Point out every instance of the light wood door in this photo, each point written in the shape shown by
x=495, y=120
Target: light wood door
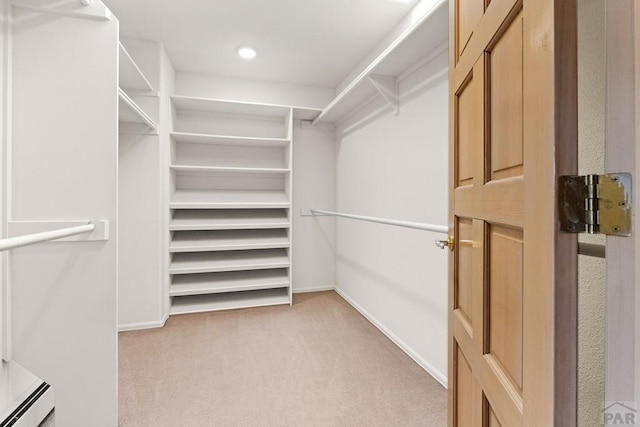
x=512, y=304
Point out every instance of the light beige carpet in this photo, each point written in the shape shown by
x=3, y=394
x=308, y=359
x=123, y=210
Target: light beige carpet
x=316, y=363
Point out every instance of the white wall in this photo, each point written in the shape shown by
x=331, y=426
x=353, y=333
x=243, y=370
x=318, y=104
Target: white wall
x=313, y=188
x=397, y=167
x=63, y=157
x=140, y=207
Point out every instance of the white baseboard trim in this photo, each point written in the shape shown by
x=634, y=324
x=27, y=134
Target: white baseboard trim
x=142, y=325
x=314, y=289
x=431, y=370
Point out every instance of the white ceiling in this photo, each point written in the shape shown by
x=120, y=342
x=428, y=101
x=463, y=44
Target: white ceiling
x=309, y=42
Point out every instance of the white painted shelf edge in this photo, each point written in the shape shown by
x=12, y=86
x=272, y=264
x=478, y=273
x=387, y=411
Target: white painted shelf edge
x=204, y=169
x=130, y=75
x=183, y=285
x=229, y=245
x=210, y=226
x=202, y=262
x=185, y=220
x=185, y=199
x=138, y=112
x=200, y=138
x=182, y=290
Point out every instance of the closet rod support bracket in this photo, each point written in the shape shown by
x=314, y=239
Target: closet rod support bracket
x=389, y=89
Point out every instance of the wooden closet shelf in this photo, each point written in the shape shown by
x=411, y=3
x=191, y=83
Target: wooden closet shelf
x=212, y=262
x=212, y=169
x=242, y=141
x=229, y=240
x=226, y=301
x=209, y=283
x=228, y=219
x=228, y=199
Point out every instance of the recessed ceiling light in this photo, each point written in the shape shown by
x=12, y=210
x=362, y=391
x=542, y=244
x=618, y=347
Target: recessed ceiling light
x=247, y=52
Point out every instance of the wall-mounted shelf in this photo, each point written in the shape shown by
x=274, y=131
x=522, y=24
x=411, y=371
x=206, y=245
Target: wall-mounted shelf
x=229, y=199
x=130, y=112
x=423, y=36
x=131, y=77
x=228, y=219
x=213, y=262
x=210, y=283
x=229, y=240
x=223, y=106
x=231, y=300
x=198, y=138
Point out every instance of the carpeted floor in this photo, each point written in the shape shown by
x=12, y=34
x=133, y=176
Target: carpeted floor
x=316, y=363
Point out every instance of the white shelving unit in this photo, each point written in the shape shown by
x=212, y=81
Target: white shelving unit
x=422, y=37
x=230, y=204
x=131, y=82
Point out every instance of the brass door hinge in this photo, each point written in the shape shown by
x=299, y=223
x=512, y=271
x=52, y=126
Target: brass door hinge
x=595, y=204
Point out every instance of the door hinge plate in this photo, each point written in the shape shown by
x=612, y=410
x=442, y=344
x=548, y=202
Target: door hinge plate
x=595, y=204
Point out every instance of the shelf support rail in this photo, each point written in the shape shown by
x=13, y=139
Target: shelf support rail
x=31, y=239
x=406, y=224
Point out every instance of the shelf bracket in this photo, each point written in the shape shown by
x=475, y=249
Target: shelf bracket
x=388, y=87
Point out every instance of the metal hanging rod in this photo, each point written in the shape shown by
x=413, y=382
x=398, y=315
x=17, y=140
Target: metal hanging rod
x=407, y=224
x=586, y=249
x=30, y=239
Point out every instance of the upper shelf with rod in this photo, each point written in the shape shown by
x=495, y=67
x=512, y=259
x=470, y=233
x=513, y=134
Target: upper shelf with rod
x=419, y=37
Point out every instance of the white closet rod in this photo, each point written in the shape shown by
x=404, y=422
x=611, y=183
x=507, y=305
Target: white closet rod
x=417, y=225
x=586, y=249
x=30, y=239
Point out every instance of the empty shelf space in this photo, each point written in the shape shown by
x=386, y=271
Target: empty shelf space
x=200, y=138
x=213, y=262
x=209, y=283
x=228, y=199
x=228, y=240
x=131, y=77
x=130, y=112
x=210, y=169
x=227, y=301
x=228, y=219
x=256, y=159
